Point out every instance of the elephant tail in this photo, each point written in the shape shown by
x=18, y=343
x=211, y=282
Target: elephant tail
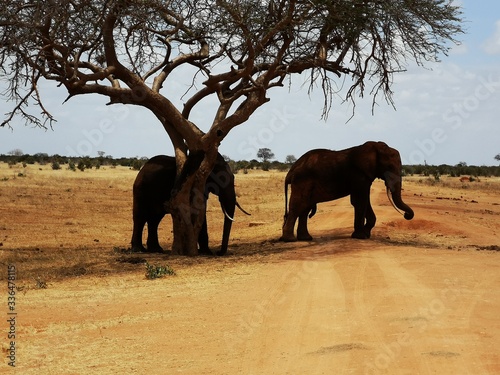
x=312, y=212
x=286, y=203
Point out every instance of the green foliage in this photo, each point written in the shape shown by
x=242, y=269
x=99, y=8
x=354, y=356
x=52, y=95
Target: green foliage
x=40, y=284
x=157, y=271
x=81, y=165
x=265, y=154
x=56, y=165
x=290, y=159
x=88, y=162
x=137, y=164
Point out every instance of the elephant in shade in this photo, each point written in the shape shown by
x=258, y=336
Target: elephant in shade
x=324, y=175
x=152, y=189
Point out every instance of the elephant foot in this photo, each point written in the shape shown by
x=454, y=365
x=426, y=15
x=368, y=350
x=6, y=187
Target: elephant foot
x=205, y=251
x=138, y=249
x=154, y=249
x=360, y=235
x=288, y=238
x=304, y=237
x=221, y=252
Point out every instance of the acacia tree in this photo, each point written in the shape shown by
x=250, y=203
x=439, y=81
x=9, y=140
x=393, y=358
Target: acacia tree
x=233, y=50
x=265, y=154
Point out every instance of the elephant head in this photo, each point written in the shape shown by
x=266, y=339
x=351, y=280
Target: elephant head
x=389, y=169
x=221, y=183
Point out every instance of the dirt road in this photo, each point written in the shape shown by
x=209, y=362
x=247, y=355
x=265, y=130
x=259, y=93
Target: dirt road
x=419, y=297
x=324, y=309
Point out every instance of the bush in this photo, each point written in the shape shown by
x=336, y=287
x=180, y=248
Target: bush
x=56, y=165
x=81, y=165
x=137, y=164
x=155, y=272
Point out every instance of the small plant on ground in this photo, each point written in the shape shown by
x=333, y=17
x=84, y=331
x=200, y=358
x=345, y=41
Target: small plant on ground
x=40, y=284
x=155, y=272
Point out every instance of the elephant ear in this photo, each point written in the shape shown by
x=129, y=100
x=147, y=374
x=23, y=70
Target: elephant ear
x=388, y=161
x=367, y=159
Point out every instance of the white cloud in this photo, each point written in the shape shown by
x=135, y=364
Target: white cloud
x=492, y=44
x=459, y=49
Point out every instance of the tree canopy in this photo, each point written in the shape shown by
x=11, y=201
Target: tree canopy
x=129, y=50
x=265, y=154
x=137, y=51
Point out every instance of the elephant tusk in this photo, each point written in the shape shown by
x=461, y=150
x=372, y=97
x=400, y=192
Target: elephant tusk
x=242, y=210
x=389, y=195
x=227, y=215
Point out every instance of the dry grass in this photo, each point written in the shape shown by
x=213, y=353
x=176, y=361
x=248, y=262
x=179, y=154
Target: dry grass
x=60, y=223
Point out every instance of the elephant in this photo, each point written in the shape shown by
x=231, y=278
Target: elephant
x=323, y=175
x=152, y=190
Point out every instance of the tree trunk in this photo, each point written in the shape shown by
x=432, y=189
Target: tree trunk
x=188, y=203
x=188, y=212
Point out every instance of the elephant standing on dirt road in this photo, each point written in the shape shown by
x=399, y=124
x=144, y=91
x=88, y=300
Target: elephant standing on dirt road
x=152, y=189
x=324, y=175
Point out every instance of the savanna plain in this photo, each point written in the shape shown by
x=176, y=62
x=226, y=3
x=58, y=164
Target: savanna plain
x=419, y=297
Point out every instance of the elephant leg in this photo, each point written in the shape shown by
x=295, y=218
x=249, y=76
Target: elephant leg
x=370, y=219
x=302, y=232
x=136, y=242
x=203, y=239
x=360, y=201
x=288, y=227
x=152, y=242
x=298, y=208
x=225, y=235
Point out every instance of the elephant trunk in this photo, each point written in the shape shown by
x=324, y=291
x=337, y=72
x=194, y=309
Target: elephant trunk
x=399, y=205
x=228, y=208
x=394, y=195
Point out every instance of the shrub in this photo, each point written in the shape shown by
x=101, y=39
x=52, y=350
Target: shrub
x=137, y=164
x=40, y=284
x=56, y=165
x=155, y=272
x=81, y=165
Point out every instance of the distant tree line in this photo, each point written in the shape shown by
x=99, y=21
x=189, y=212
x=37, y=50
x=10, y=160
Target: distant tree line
x=460, y=169
x=265, y=155
x=72, y=162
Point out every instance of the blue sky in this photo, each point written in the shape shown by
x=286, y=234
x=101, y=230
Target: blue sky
x=445, y=113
